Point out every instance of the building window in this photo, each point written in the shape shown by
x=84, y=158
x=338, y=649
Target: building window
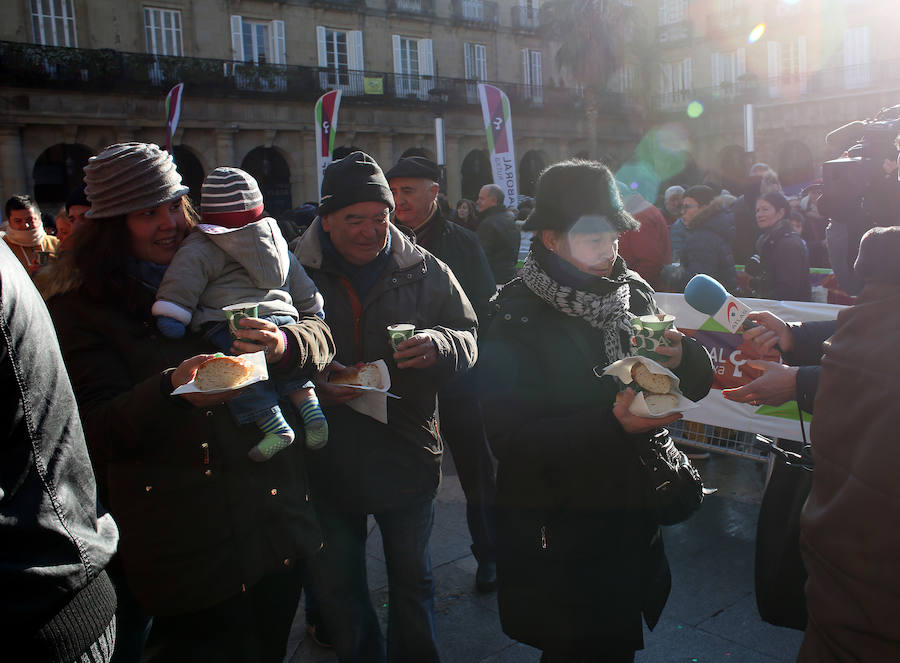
x=476, y=68
x=623, y=79
x=532, y=75
x=787, y=67
x=259, y=42
x=53, y=23
x=672, y=11
x=728, y=67
x=676, y=82
x=529, y=11
x=856, y=57
x=162, y=28
x=413, y=62
x=341, y=56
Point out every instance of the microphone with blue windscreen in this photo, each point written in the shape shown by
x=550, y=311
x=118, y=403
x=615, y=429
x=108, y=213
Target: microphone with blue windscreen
x=707, y=295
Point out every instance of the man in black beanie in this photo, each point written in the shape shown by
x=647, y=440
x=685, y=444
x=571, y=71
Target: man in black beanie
x=384, y=455
x=414, y=183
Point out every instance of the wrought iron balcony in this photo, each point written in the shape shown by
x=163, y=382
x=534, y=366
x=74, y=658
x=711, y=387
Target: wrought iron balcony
x=475, y=12
x=107, y=71
x=674, y=33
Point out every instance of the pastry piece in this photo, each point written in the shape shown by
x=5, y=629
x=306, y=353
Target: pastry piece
x=657, y=403
x=653, y=382
x=222, y=373
x=365, y=375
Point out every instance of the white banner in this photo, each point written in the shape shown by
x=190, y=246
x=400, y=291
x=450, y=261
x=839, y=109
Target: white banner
x=498, y=128
x=730, y=355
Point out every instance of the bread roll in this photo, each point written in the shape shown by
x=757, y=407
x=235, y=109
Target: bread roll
x=222, y=373
x=653, y=382
x=366, y=375
x=657, y=403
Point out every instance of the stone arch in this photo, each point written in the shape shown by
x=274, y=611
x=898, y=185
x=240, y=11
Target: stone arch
x=273, y=174
x=58, y=170
x=475, y=172
x=795, y=164
x=733, y=166
x=191, y=170
x=530, y=167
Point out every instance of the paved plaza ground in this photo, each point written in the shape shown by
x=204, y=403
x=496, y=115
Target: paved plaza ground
x=711, y=614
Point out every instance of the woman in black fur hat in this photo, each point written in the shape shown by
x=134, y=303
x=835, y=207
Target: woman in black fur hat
x=580, y=556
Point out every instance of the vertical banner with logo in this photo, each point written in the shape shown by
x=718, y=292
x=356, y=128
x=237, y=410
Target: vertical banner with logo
x=173, y=113
x=326, y=127
x=498, y=127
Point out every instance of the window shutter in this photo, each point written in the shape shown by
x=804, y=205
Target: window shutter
x=688, y=74
x=237, y=39
x=469, y=58
x=801, y=55
x=715, y=69
x=740, y=65
x=355, y=57
x=536, y=69
x=526, y=67
x=481, y=62
x=322, y=46
x=398, y=57
x=279, y=55
x=426, y=57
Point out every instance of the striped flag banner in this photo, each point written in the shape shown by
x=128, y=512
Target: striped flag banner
x=498, y=127
x=326, y=128
x=173, y=113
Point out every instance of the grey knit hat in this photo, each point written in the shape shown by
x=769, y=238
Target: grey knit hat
x=127, y=177
x=580, y=196
x=230, y=197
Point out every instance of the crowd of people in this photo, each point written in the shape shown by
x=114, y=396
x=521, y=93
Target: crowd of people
x=153, y=526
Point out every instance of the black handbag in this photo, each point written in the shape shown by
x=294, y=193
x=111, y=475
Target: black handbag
x=779, y=572
x=674, y=485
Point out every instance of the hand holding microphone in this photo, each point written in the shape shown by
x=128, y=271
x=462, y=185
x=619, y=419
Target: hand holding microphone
x=770, y=332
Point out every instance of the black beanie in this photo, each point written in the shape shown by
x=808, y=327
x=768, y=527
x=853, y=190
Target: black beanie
x=418, y=167
x=354, y=179
x=701, y=193
x=579, y=190
x=77, y=196
x=879, y=255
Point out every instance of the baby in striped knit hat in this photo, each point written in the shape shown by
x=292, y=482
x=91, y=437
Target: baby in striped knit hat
x=239, y=255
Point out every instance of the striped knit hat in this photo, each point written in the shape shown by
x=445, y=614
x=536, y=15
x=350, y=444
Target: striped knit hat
x=127, y=177
x=231, y=198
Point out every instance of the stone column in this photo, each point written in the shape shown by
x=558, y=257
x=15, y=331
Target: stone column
x=225, y=147
x=309, y=183
x=14, y=179
x=385, y=156
x=454, y=167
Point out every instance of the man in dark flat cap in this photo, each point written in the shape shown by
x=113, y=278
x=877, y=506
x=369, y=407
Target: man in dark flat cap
x=413, y=183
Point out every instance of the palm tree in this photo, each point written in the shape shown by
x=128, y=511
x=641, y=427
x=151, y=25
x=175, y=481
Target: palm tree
x=596, y=38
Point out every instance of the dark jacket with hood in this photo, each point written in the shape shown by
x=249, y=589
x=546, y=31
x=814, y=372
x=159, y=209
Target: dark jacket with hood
x=199, y=520
x=367, y=465
x=501, y=239
x=580, y=550
x=785, y=264
x=57, y=599
x=707, y=247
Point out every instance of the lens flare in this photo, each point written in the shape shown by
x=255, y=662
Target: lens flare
x=694, y=110
x=756, y=33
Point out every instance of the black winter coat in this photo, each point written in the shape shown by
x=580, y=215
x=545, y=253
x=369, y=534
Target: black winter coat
x=785, y=264
x=707, y=247
x=199, y=521
x=580, y=551
x=501, y=239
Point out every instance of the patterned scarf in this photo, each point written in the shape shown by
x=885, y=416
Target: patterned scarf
x=608, y=313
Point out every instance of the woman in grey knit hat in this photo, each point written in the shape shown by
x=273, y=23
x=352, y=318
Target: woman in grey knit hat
x=212, y=543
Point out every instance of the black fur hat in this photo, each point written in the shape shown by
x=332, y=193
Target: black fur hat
x=579, y=196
